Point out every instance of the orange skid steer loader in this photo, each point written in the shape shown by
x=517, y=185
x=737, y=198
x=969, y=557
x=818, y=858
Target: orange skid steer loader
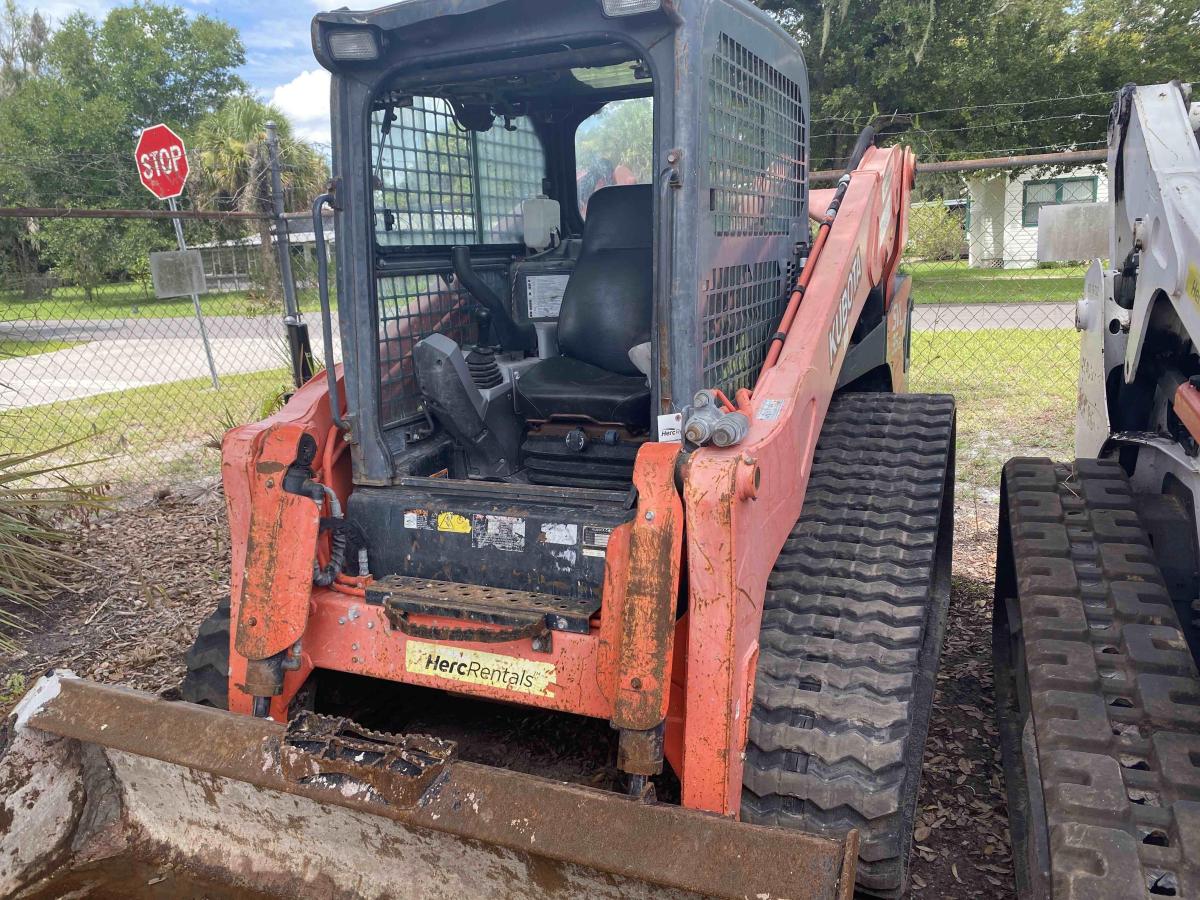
x=613, y=560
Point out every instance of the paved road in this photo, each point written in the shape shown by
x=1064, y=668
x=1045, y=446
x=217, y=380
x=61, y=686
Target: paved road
x=120, y=354
x=131, y=353
x=978, y=316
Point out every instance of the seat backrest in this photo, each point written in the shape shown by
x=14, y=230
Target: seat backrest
x=606, y=308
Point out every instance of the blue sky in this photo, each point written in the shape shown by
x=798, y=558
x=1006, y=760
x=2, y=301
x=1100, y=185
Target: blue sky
x=279, y=61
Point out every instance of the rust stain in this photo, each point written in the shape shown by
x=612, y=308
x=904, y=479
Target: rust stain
x=651, y=595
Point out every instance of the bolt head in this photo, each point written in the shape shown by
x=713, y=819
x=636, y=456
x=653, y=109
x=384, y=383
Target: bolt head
x=649, y=515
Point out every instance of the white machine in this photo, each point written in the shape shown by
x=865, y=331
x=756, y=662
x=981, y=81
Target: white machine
x=1097, y=611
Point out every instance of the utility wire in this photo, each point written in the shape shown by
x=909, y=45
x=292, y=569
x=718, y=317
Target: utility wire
x=929, y=112
x=1009, y=124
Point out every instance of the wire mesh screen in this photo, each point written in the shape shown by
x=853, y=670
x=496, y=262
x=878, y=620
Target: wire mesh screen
x=412, y=307
x=440, y=185
x=741, y=308
x=511, y=167
x=993, y=325
x=756, y=141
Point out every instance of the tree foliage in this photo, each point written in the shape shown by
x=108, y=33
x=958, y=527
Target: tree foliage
x=234, y=163
x=23, y=39
x=72, y=103
x=984, y=67
x=233, y=170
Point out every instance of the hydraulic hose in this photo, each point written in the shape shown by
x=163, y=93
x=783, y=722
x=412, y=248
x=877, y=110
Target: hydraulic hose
x=324, y=577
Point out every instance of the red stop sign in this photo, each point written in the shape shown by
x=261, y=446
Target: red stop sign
x=161, y=162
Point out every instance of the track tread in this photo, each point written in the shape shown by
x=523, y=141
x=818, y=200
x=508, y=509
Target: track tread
x=851, y=630
x=1094, y=673
x=206, y=681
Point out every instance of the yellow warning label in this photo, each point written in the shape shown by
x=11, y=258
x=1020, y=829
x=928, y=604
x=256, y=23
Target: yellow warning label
x=1193, y=283
x=448, y=521
x=477, y=667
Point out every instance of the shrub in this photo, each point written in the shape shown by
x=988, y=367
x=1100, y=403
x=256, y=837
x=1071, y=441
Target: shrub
x=35, y=497
x=934, y=232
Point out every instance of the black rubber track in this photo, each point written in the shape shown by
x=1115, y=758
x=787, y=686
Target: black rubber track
x=207, y=679
x=852, y=628
x=1097, y=694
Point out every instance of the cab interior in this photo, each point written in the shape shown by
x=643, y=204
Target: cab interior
x=513, y=217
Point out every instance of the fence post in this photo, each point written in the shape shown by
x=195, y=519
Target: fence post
x=297, y=331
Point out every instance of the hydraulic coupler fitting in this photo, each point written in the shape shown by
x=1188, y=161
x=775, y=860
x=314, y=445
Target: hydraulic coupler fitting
x=708, y=422
x=731, y=429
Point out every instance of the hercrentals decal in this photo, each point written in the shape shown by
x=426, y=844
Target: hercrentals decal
x=477, y=667
x=841, y=318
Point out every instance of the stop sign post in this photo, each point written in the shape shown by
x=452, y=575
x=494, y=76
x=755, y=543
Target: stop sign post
x=162, y=166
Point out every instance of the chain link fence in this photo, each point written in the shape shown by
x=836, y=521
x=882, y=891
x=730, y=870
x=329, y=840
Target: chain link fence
x=99, y=363
x=96, y=362
x=991, y=324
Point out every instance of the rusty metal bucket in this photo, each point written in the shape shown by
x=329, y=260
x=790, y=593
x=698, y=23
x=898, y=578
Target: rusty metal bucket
x=103, y=786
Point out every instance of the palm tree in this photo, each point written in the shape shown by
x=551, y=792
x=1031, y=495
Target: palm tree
x=235, y=173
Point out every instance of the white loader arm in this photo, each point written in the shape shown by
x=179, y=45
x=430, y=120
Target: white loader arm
x=1154, y=172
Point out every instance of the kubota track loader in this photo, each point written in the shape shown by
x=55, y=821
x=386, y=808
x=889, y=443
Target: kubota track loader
x=619, y=439
x=1097, y=584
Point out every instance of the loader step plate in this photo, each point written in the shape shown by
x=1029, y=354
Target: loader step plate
x=1097, y=694
x=852, y=628
x=480, y=603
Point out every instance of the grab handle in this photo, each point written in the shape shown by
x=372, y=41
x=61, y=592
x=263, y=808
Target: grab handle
x=326, y=318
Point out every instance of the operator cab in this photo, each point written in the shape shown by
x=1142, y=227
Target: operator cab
x=557, y=220
x=513, y=217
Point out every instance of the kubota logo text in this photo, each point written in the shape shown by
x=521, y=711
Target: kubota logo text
x=477, y=667
x=841, y=317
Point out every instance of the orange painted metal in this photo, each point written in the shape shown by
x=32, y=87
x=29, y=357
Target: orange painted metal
x=648, y=610
x=733, y=540
x=739, y=505
x=346, y=634
x=272, y=533
x=279, y=547
x=1187, y=407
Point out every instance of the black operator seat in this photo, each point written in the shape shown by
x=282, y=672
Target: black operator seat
x=606, y=310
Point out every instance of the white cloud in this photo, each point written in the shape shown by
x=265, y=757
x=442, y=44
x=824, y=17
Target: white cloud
x=305, y=101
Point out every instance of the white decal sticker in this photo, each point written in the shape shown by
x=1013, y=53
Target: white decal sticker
x=595, y=540
x=565, y=533
x=769, y=410
x=501, y=532
x=417, y=518
x=670, y=428
x=544, y=294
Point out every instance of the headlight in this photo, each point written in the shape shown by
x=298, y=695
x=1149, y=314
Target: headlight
x=629, y=7
x=356, y=44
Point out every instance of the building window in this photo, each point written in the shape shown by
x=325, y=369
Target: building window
x=1053, y=191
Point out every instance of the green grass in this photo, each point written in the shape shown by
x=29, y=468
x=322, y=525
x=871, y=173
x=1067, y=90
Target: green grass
x=146, y=430
x=129, y=300
x=955, y=282
x=10, y=347
x=1015, y=391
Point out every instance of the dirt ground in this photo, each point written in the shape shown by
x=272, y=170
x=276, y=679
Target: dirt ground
x=156, y=568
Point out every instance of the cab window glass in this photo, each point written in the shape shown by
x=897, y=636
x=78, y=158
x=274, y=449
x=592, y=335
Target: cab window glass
x=614, y=146
x=437, y=184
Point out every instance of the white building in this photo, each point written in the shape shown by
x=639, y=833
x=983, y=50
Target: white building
x=1003, y=212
